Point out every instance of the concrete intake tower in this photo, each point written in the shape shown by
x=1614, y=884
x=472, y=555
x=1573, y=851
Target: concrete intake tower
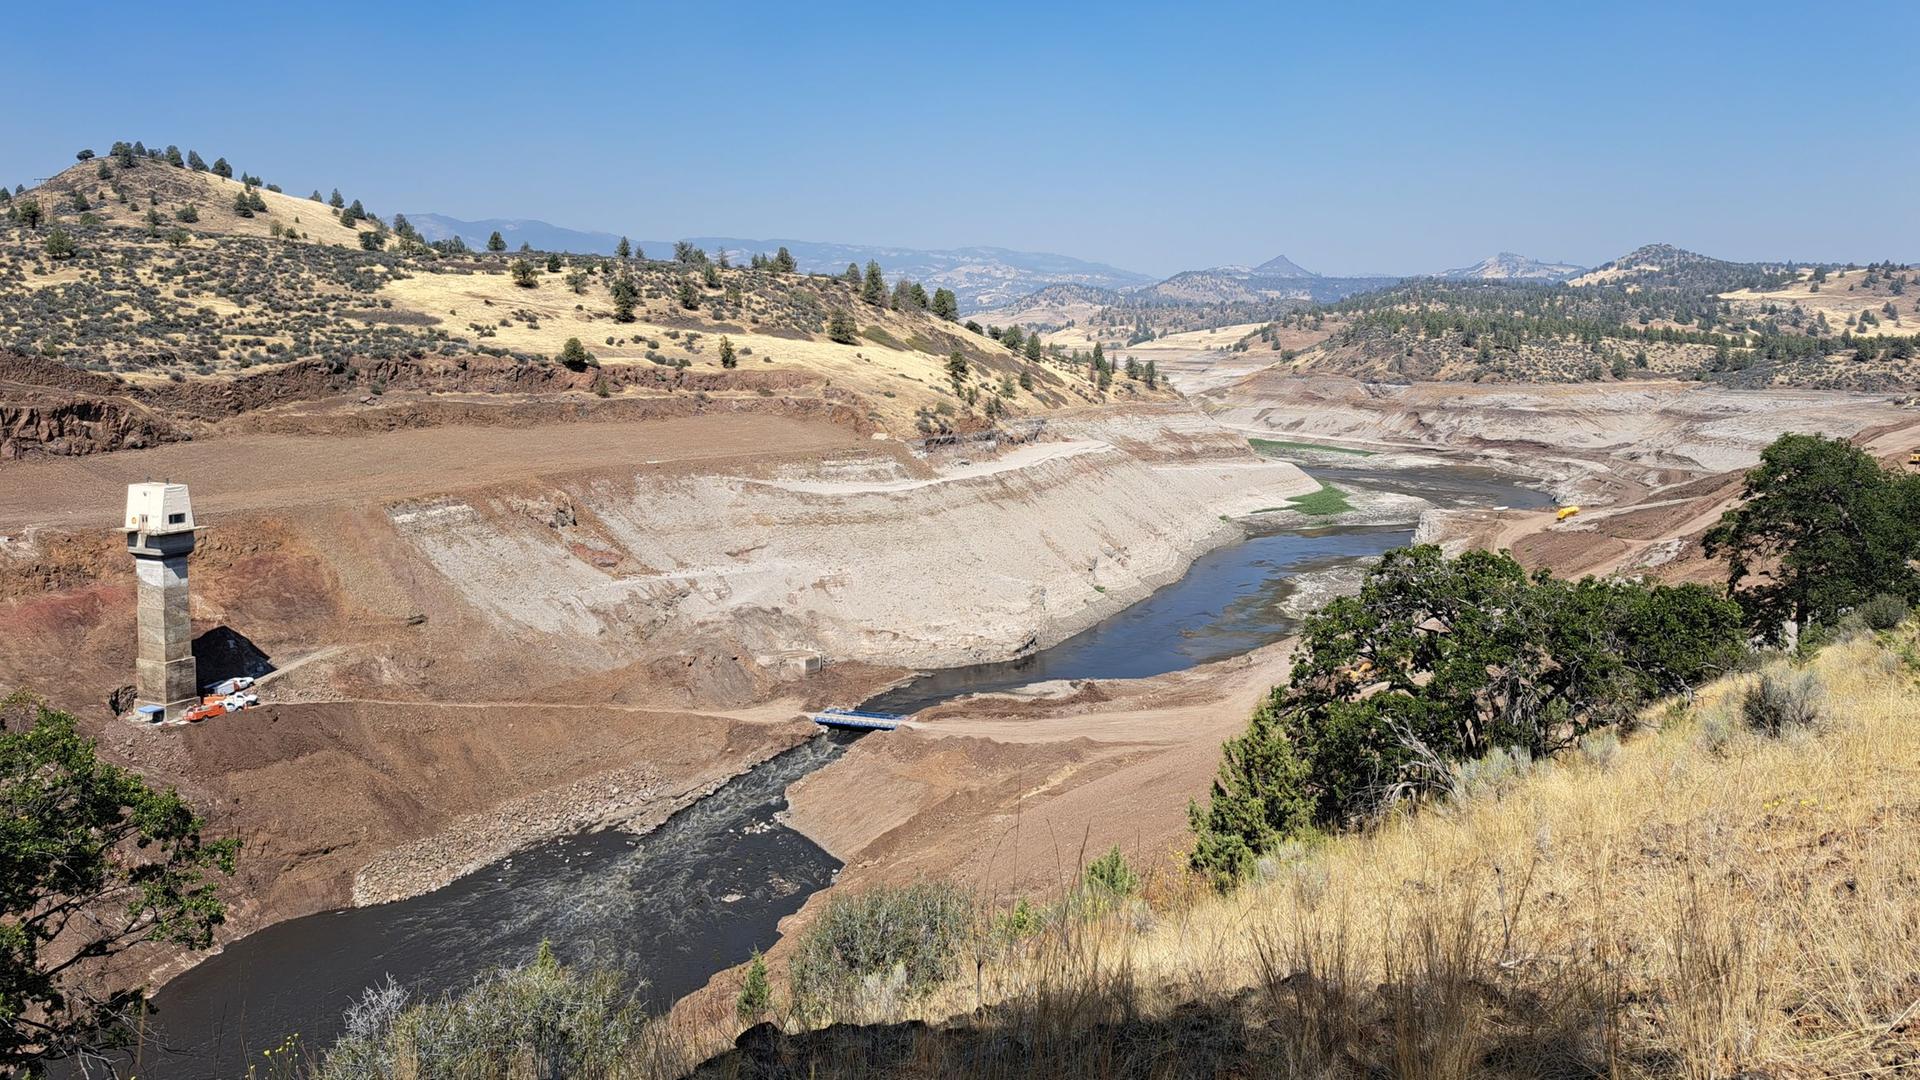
x=159, y=526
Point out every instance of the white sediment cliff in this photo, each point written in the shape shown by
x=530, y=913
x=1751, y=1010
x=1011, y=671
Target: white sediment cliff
x=874, y=555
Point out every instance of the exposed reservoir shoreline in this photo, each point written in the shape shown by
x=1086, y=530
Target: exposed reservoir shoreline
x=590, y=885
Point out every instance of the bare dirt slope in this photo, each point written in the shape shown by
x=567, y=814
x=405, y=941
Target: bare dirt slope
x=1008, y=793
x=493, y=632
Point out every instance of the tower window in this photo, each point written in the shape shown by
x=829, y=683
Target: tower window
x=176, y=519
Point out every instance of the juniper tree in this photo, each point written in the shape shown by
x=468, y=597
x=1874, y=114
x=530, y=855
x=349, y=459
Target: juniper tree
x=727, y=358
x=173, y=157
x=60, y=244
x=624, y=249
x=624, y=294
x=523, y=274
x=84, y=155
x=852, y=275
x=688, y=296
x=945, y=306
x=222, y=169
x=1033, y=347
x=575, y=356
x=496, y=242
x=783, y=261
x=840, y=328
x=195, y=161
x=710, y=274
x=553, y=264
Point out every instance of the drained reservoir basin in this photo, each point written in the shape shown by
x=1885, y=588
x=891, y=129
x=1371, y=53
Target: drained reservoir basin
x=697, y=895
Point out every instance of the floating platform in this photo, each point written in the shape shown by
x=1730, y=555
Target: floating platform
x=856, y=720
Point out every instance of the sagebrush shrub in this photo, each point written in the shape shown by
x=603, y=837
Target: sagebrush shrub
x=1783, y=700
x=892, y=941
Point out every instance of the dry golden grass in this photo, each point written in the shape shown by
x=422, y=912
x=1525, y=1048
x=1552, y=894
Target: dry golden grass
x=1699, y=902
x=1843, y=295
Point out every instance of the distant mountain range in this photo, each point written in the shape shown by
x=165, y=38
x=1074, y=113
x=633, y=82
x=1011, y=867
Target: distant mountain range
x=1279, y=278
x=1507, y=266
x=980, y=277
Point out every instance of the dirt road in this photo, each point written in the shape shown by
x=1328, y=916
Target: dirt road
x=265, y=472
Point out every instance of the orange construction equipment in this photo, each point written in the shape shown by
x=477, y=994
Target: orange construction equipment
x=203, y=712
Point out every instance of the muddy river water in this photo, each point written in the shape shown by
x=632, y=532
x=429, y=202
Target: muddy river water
x=699, y=893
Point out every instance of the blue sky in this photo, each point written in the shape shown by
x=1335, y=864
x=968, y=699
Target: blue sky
x=1352, y=137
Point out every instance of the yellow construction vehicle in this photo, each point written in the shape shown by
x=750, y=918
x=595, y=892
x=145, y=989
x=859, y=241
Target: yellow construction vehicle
x=1913, y=459
x=1566, y=512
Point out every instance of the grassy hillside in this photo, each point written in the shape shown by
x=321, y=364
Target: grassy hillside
x=1701, y=900
x=1658, y=312
x=150, y=271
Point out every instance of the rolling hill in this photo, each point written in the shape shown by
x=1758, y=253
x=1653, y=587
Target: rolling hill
x=980, y=277
x=186, y=286
x=1658, y=311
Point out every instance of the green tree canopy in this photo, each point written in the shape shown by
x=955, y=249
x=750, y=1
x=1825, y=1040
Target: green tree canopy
x=625, y=293
x=1441, y=660
x=945, y=306
x=1820, y=529
x=874, y=288
x=496, y=242
x=92, y=862
x=575, y=357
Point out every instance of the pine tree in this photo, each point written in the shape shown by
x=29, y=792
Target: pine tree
x=337, y=200
x=195, y=161
x=221, y=168
x=1033, y=347
x=957, y=368
x=874, y=291
x=783, y=261
x=624, y=294
x=688, y=296
x=840, y=328
x=496, y=242
x=727, y=358
x=242, y=206
x=945, y=306
x=852, y=276
x=624, y=249
x=710, y=274
x=173, y=157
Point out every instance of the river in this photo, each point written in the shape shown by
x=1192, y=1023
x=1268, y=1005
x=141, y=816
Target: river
x=711, y=884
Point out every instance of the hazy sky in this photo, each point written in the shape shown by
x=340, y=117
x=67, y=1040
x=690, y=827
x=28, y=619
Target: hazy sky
x=1351, y=137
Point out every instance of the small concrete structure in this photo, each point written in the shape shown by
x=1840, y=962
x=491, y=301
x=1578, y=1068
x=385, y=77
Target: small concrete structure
x=159, y=524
